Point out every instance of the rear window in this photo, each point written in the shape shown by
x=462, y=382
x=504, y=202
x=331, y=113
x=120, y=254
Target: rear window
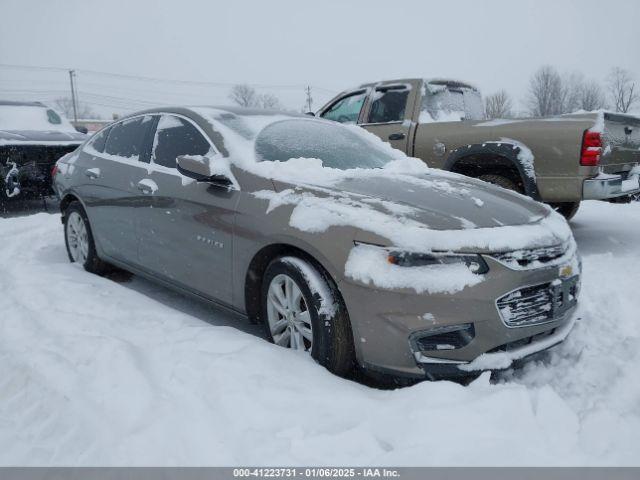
x=337, y=146
x=126, y=139
x=99, y=140
x=446, y=103
x=388, y=105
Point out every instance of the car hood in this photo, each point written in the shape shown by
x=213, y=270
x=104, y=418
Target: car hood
x=448, y=201
x=17, y=137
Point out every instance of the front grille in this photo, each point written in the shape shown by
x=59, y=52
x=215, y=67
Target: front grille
x=34, y=163
x=38, y=154
x=525, y=258
x=538, y=304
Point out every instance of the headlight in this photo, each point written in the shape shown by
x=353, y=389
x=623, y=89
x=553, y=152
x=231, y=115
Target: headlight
x=410, y=259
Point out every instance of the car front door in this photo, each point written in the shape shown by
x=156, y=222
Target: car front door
x=186, y=227
x=113, y=167
x=389, y=114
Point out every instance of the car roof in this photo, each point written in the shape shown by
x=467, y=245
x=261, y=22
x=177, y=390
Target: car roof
x=14, y=103
x=224, y=108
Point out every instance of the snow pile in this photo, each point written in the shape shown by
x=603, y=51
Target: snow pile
x=94, y=372
x=369, y=265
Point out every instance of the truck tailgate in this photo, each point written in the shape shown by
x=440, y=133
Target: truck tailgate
x=620, y=142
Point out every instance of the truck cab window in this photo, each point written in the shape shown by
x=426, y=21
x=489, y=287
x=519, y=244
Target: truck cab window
x=388, y=105
x=347, y=109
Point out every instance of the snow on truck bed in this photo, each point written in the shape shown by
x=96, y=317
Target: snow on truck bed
x=94, y=372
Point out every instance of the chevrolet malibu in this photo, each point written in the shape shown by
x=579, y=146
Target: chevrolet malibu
x=340, y=245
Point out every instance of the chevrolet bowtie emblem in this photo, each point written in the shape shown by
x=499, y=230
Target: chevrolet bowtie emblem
x=566, y=271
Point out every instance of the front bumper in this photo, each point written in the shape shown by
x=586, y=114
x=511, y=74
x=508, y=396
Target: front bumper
x=386, y=322
x=500, y=360
x=610, y=186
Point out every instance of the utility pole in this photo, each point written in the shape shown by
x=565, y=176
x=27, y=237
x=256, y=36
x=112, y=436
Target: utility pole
x=72, y=74
x=309, y=99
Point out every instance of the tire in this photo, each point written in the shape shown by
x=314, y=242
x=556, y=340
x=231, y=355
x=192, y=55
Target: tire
x=502, y=181
x=567, y=209
x=78, y=239
x=319, y=306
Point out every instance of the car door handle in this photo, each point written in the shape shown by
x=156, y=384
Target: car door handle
x=397, y=136
x=92, y=173
x=145, y=188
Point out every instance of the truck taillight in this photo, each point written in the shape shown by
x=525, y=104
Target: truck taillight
x=591, y=148
x=54, y=170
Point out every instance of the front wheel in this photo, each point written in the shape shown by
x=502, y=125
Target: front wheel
x=79, y=239
x=302, y=310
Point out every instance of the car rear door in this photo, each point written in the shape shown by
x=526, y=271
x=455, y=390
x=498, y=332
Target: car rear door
x=389, y=113
x=186, y=228
x=110, y=185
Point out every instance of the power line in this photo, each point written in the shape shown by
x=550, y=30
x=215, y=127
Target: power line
x=161, y=80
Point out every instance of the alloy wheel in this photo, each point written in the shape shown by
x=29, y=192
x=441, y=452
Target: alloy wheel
x=77, y=237
x=288, y=314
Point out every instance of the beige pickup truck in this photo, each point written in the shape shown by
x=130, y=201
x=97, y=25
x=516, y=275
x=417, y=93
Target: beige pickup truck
x=557, y=160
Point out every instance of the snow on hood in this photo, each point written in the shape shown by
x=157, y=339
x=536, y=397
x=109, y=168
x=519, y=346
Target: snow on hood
x=413, y=206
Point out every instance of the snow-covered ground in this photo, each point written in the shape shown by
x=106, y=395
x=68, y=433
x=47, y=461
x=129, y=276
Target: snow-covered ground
x=99, y=372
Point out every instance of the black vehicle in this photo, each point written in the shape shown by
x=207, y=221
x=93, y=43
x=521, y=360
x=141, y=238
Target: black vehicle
x=32, y=138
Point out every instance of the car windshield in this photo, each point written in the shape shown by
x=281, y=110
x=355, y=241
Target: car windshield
x=337, y=146
x=32, y=117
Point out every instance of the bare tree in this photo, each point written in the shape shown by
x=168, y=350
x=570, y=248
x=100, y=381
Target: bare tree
x=246, y=96
x=243, y=95
x=547, y=95
x=269, y=101
x=622, y=89
x=65, y=105
x=572, y=86
x=498, y=105
x=592, y=96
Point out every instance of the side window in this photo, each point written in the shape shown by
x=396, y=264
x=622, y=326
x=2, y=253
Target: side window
x=126, y=139
x=99, y=140
x=388, y=105
x=174, y=137
x=347, y=109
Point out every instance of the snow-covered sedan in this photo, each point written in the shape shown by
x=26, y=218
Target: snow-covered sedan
x=339, y=244
x=32, y=138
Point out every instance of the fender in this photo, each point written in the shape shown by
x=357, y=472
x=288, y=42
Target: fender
x=505, y=150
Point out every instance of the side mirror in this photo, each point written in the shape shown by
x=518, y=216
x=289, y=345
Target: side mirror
x=82, y=129
x=199, y=168
x=311, y=114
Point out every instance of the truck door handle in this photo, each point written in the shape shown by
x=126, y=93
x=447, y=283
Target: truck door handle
x=397, y=136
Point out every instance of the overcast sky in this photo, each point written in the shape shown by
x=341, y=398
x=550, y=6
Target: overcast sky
x=328, y=44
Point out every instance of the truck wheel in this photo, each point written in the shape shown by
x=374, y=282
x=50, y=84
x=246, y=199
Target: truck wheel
x=302, y=310
x=567, y=209
x=502, y=181
x=79, y=240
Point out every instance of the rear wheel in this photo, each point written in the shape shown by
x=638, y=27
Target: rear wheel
x=302, y=310
x=502, y=181
x=79, y=239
